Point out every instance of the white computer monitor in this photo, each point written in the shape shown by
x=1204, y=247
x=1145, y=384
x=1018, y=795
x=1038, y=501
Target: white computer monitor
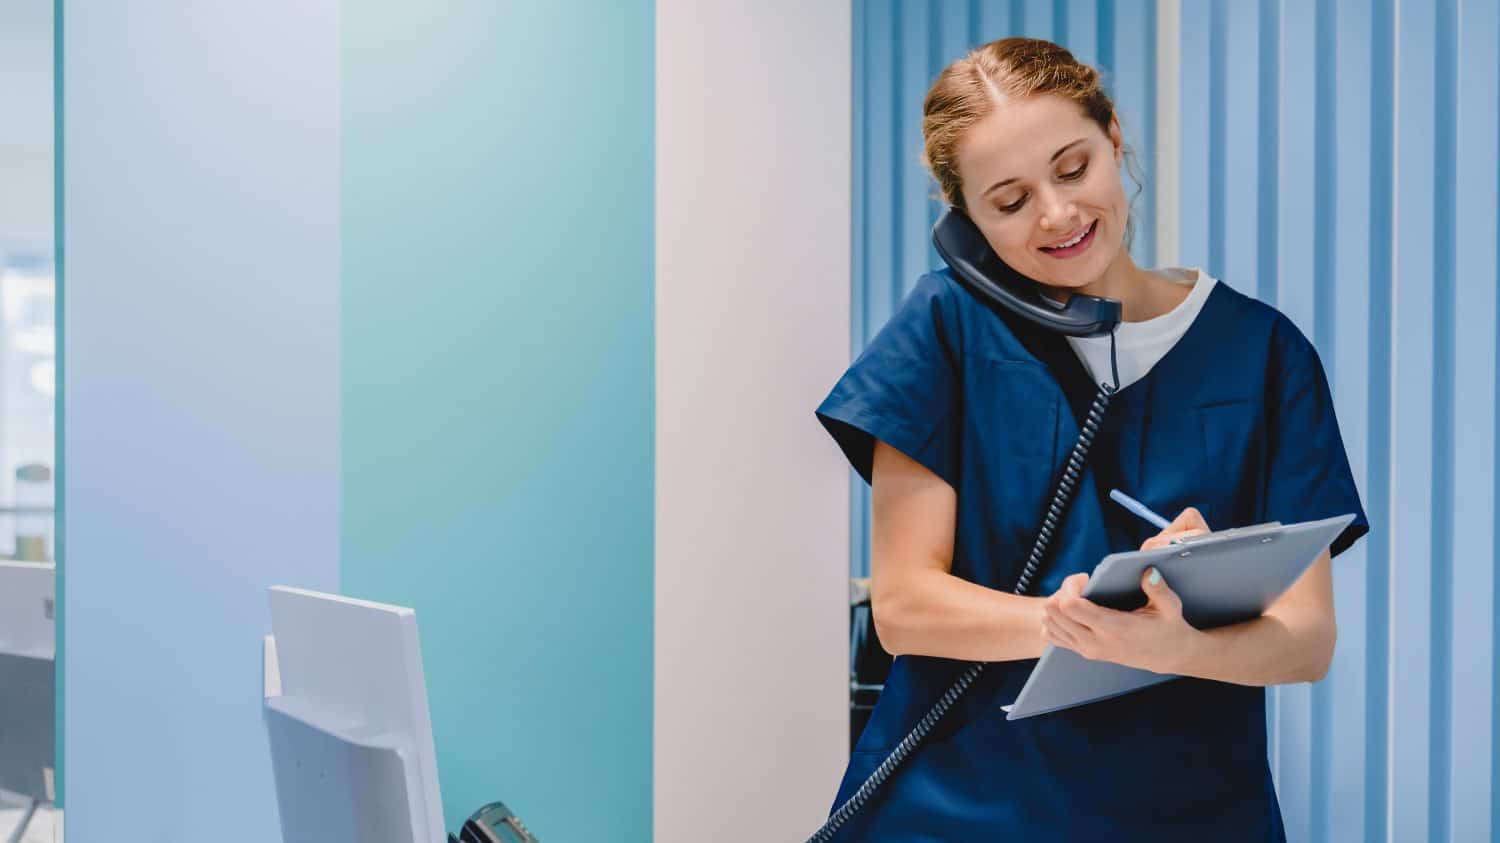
x=27, y=600
x=351, y=735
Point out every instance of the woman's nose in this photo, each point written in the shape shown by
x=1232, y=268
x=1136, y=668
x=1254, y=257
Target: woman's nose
x=1057, y=214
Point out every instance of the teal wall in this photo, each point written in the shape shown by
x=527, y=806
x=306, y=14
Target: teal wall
x=498, y=393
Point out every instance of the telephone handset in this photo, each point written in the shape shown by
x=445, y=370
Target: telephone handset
x=494, y=823
x=981, y=271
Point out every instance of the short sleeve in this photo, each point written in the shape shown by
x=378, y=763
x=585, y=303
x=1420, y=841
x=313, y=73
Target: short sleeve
x=1309, y=477
x=903, y=389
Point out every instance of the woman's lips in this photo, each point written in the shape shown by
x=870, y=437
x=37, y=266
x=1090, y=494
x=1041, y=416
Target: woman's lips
x=1076, y=248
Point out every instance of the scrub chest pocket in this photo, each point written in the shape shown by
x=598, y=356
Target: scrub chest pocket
x=1233, y=440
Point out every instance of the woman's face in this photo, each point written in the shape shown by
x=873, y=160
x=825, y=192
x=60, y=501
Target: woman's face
x=1037, y=174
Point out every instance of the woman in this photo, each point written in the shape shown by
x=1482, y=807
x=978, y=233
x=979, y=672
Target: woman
x=961, y=418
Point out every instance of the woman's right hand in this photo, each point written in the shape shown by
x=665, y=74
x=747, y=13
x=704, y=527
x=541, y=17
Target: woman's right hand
x=1189, y=523
x=1054, y=619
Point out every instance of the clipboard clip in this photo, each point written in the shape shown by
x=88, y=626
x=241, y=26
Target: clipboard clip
x=1231, y=533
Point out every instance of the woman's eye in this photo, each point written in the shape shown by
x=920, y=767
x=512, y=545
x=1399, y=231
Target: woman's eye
x=1073, y=175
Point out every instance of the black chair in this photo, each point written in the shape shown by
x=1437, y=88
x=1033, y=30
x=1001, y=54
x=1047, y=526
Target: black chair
x=869, y=663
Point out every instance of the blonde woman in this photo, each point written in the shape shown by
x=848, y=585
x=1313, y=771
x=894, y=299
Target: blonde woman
x=962, y=417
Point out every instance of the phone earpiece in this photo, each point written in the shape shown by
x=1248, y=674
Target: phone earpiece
x=962, y=245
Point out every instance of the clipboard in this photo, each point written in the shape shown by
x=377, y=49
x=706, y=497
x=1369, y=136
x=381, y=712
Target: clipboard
x=1226, y=577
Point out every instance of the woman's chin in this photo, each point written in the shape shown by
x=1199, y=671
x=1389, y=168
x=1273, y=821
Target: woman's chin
x=1061, y=289
x=1058, y=293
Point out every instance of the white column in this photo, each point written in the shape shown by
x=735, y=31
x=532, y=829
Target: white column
x=752, y=504
x=1168, y=105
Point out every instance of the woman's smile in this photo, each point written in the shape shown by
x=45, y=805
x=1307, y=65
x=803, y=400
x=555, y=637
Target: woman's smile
x=1077, y=245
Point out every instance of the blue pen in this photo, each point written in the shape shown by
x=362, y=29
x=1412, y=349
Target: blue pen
x=1138, y=508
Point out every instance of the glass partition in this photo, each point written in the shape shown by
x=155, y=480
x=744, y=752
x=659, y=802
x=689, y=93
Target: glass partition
x=28, y=711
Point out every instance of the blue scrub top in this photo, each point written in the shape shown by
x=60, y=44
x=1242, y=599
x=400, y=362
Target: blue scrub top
x=1236, y=420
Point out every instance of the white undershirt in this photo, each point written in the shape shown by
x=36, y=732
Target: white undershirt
x=1139, y=345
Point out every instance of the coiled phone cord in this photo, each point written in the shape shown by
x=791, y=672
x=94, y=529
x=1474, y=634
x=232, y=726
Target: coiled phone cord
x=1060, y=500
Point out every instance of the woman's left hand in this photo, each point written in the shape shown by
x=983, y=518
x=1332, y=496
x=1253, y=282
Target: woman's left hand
x=1153, y=637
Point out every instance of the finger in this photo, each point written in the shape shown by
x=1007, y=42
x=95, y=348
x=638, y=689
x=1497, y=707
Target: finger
x=1159, y=540
x=1054, y=634
x=1169, y=537
x=1065, y=587
x=1089, y=614
x=1074, y=583
x=1186, y=534
x=1067, y=623
x=1188, y=519
x=1158, y=593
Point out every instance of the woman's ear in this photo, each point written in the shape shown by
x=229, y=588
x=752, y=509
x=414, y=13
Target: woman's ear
x=1116, y=138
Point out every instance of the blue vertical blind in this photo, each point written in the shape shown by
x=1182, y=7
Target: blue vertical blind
x=1330, y=167
x=1337, y=159
x=899, y=49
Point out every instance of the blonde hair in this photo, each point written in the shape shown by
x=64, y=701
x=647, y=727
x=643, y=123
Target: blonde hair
x=967, y=90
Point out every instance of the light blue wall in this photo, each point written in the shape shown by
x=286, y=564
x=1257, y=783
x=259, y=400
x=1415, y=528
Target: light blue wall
x=496, y=196
x=498, y=389
x=199, y=177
